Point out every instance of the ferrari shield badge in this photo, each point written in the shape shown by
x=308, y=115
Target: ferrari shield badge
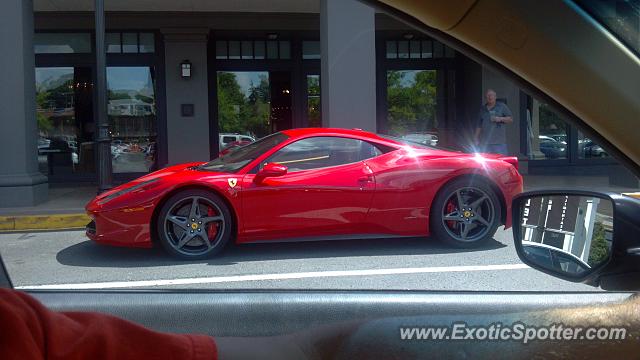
x=232, y=182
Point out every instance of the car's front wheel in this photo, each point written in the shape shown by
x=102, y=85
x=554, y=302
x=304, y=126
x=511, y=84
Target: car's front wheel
x=465, y=213
x=194, y=224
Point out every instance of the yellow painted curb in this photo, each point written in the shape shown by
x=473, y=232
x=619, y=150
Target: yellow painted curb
x=43, y=222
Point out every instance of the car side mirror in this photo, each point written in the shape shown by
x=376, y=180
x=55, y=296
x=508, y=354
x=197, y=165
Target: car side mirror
x=580, y=236
x=271, y=170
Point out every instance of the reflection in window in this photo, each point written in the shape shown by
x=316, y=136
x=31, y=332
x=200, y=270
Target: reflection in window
x=61, y=43
x=65, y=120
x=546, y=133
x=411, y=105
x=131, y=110
x=313, y=101
x=244, y=103
x=320, y=152
x=588, y=149
x=311, y=50
x=130, y=42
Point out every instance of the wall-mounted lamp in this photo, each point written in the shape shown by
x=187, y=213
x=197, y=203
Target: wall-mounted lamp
x=408, y=36
x=272, y=36
x=185, y=69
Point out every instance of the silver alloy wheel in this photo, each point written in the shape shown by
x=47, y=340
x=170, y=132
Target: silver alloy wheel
x=189, y=222
x=468, y=214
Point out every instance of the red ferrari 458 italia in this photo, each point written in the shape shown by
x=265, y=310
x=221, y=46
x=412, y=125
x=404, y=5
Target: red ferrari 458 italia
x=311, y=184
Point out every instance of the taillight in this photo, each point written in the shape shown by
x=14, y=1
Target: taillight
x=513, y=160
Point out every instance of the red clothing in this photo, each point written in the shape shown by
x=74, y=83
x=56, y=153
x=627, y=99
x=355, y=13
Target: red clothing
x=28, y=330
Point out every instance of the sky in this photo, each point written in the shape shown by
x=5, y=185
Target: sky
x=246, y=78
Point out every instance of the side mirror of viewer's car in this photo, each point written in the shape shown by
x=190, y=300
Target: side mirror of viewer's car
x=271, y=170
x=580, y=236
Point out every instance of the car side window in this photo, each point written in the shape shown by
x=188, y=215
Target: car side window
x=322, y=151
x=228, y=139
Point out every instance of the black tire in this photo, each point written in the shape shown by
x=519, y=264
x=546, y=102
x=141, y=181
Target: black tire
x=445, y=204
x=200, y=240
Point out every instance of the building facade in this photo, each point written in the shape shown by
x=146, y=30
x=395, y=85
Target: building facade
x=185, y=79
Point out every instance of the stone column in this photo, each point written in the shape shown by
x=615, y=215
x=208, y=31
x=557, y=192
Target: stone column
x=187, y=136
x=348, y=62
x=20, y=182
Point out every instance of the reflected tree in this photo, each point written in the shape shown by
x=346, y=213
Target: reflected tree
x=411, y=98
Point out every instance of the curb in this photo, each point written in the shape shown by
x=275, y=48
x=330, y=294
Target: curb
x=44, y=222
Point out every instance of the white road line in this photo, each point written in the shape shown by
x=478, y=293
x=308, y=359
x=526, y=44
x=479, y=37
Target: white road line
x=263, y=277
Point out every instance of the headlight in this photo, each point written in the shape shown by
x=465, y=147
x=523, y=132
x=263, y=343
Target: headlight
x=110, y=197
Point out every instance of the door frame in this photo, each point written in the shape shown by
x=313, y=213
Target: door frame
x=297, y=67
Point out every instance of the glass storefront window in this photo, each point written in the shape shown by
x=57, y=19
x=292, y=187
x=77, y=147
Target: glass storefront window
x=247, y=49
x=285, y=50
x=64, y=114
x=427, y=51
x=61, y=43
x=221, y=50
x=234, y=49
x=403, y=49
x=244, y=103
x=147, y=43
x=313, y=101
x=546, y=133
x=588, y=149
x=114, y=45
x=272, y=49
x=438, y=49
x=414, y=46
x=131, y=109
x=259, y=50
x=411, y=105
x=129, y=42
x=311, y=50
x=392, y=50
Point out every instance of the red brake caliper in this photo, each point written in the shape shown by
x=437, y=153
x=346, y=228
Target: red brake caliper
x=212, y=229
x=451, y=208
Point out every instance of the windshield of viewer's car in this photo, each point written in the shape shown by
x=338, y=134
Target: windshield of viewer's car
x=256, y=75
x=240, y=157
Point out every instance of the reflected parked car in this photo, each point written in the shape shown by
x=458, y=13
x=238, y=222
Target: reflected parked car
x=233, y=146
x=552, y=148
x=228, y=138
x=590, y=149
x=424, y=139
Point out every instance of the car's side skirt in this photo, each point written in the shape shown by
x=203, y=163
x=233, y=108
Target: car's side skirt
x=334, y=237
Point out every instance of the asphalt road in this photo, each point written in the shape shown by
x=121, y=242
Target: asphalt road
x=68, y=259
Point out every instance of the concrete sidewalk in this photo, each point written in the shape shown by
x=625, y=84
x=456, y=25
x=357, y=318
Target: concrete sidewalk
x=65, y=207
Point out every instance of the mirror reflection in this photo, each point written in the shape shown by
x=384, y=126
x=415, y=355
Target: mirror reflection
x=567, y=233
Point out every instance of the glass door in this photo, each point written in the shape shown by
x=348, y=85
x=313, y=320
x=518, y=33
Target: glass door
x=64, y=112
x=131, y=110
x=251, y=105
x=412, y=105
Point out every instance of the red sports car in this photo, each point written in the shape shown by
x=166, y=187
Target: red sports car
x=311, y=184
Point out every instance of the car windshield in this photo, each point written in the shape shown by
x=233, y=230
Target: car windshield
x=622, y=18
x=238, y=158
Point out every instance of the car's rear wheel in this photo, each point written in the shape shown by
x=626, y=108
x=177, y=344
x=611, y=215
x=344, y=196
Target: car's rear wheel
x=465, y=213
x=194, y=224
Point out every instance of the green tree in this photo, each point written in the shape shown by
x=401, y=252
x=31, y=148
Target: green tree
x=240, y=113
x=599, y=251
x=411, y=98
x=42, y=102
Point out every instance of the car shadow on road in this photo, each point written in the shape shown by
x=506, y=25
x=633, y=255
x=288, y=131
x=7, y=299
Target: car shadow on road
x=90, y=254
